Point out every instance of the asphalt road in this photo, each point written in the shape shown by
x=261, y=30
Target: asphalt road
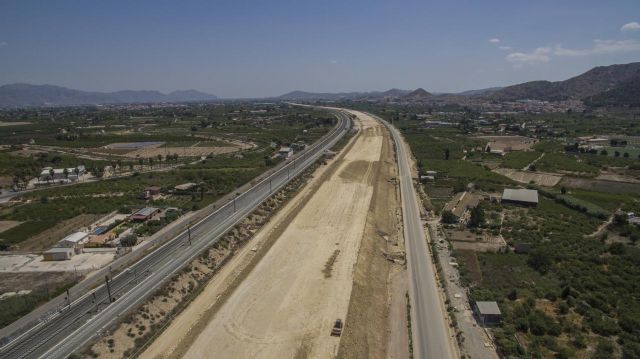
x=430, y=334
x=87, y=317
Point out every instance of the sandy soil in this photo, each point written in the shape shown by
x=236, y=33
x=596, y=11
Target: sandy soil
x=370, y=321
x=17, y=123
x=83, y=262
x=6, y=225
x=286, y=306
x=544, y=179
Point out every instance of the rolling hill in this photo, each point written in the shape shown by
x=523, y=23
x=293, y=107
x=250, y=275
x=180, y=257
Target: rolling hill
x=23, y=95
x=613, y=80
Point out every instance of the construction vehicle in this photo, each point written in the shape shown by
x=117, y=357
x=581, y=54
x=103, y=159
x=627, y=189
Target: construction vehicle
x=336, y=331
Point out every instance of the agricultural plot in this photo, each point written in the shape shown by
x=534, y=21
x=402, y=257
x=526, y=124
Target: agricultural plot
x=526, y=177
x=508, y=143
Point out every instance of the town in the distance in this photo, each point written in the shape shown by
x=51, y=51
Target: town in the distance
x=496, y=222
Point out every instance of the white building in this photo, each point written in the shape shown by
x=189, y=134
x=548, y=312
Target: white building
x=285, y=152
x=49, y=174
x=74, y=240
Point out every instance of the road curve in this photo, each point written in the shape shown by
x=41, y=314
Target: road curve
x=86, y=317
x=430, y=332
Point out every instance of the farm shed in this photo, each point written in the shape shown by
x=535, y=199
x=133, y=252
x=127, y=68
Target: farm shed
x=285, y=152
x=75, y=241
x=528, y=197
x=144, y=214
x=58, y=254
x=488, y=313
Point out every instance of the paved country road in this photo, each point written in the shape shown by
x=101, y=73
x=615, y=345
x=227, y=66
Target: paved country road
x=86, y=317
x=429, y=328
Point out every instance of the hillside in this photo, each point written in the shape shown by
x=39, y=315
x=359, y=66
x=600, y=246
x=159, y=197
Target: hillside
x=590, y=83
x=21, y=95
x=625, y=94
x=417, y=95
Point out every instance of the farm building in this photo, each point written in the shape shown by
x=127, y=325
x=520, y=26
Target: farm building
x=488, y=313
x=75, y=241
x=285, y=152
x=461, y=202
x=58, y=254
x=528, y=197
x=144, y=214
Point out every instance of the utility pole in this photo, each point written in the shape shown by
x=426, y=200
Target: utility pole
x=189, y=232
x=106, y=280
x=270, y=185
x=68, y=298
x=46, y=284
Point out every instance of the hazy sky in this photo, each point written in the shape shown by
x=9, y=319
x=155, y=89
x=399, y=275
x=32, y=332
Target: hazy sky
x=261, y=48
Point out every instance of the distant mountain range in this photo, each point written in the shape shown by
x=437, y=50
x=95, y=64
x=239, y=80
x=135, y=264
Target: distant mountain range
x=336, y=96
x=613, y=85
x=23, y=95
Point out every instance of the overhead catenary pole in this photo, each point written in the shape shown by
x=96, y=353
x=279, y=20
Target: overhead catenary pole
x=106, y=280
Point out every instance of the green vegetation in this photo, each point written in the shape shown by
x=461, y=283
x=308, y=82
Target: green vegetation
x=519, y=159
x=17, y=306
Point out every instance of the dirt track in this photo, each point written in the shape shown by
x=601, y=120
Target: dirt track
x=286, y=307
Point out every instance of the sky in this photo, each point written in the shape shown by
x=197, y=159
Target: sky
x=239, y=48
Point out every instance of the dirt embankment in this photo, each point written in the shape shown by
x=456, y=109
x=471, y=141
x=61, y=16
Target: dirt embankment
x=287, y=305
x=368, y=319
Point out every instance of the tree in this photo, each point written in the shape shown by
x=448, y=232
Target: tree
x=141, y=162
x=449, y=218
x=66, y=173
x=540, y=260
x=446, y=153
x=51, y=173
x=626, y=155
x=563, y=190
x=151, y=162
x=604, y=153
x=77, y=172
x=160, y=160
x=476, y=218
x=616, y=153
x=203, y=189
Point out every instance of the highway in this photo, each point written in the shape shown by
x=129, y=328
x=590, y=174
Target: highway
x=88, y=316
x=430, y=333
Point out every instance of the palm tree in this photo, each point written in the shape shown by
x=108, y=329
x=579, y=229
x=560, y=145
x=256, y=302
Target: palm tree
x=151, y=162
x=77, y=172
x=141, y=162
x=160, y=160
x=66, y=173
x=51, y=173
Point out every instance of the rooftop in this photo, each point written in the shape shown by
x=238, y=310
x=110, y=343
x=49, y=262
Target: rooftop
x=75, y=237
x=59, y=250
x=488, y=308
x=520, y=195
x=147, y=211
